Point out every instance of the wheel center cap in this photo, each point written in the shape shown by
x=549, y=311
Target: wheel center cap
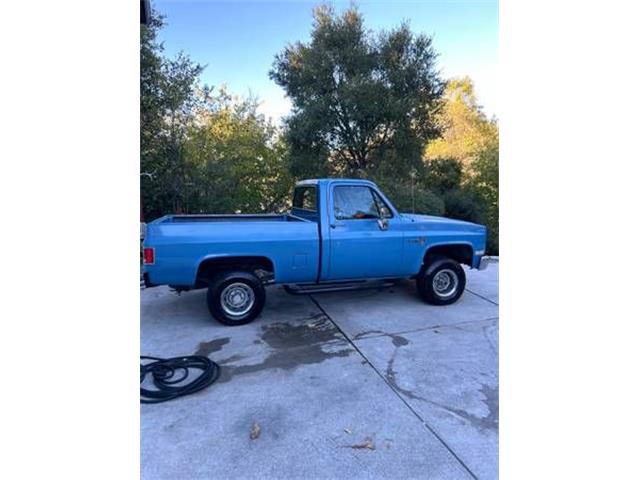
x=443, y=282
x=237, y=298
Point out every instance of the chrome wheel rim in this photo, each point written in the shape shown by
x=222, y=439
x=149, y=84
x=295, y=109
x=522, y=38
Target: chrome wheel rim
x=445, y=283
x=237, y=299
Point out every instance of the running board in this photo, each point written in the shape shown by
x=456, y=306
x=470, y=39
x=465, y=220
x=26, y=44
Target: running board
x=336, y=287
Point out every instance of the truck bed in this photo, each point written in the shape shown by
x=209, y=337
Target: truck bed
x=183, y=242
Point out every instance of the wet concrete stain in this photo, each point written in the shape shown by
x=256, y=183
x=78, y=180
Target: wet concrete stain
x=231, y=359
x=487, y=336
x=398, y=340
x=390, y=374
x=488, y=422
x=207, y=348
x=291, y=345
x=312, y=330
x=492, y=401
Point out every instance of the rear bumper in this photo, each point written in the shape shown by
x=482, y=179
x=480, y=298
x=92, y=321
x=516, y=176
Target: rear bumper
x=484, y=263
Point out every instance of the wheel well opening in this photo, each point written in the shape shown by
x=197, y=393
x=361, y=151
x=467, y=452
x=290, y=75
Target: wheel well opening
x=460, y=253
x=261, y=266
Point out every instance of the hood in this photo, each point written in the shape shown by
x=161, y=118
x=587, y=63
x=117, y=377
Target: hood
x=443, y=222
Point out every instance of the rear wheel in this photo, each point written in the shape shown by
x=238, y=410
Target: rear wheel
x=441, y=281
x=236, y=297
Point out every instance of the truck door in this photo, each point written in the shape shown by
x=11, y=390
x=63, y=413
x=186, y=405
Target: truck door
x=365, y=237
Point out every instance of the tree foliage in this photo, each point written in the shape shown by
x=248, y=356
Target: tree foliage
x=237, y=161
x=463, y=163
x=484, y=182
x=411, y=198
x=167, y=96
x=365, y=104
x=466, y=131
x=443, y=174
x=359, y=99
x=202, y=151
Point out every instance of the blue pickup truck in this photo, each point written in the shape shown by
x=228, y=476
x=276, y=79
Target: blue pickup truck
x=339, y=233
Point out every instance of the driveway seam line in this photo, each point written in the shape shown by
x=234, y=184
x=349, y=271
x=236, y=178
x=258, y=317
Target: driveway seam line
x=484, y=298
x=424, y=329
x=402, y=399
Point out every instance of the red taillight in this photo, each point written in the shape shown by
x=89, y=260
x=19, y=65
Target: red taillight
x=149, y=256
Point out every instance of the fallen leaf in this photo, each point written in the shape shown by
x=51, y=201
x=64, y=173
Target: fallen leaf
x=255, y=431
x=367, y=444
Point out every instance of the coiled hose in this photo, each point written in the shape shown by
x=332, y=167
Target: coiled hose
x=170, y=376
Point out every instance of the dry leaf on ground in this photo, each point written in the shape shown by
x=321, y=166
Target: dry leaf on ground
x=255, y=431
x=367, y=444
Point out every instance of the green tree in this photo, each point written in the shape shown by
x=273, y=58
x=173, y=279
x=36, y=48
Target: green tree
x=236, y=159
x=410, y=198
x=485, y=183
x=466, y=131
x=470, y=191
x=442, y=174
x=359, y=99
x=203, y=151
x=167, y=99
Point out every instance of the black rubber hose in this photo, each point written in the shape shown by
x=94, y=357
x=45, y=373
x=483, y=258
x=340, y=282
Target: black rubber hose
x=171, y=376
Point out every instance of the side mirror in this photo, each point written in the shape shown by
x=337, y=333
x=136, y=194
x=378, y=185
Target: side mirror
x=383, y=223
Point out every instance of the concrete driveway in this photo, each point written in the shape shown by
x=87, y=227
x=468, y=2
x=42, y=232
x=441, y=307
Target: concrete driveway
x=367, y=384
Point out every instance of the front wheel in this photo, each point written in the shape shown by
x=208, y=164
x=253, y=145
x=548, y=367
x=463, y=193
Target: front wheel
x=236, y=298
x=441, y=282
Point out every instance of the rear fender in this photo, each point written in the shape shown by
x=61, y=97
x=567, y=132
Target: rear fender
x=210, y=265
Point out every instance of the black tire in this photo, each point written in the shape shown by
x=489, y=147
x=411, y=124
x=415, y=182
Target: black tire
x=241, y=283
x=442, y=268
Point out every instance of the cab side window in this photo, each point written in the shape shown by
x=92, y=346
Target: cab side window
x=354, y=203
x=305, y=198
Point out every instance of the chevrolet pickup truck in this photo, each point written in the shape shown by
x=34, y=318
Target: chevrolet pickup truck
x=338, y=233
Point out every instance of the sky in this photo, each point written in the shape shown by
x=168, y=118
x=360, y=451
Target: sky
x=237, y=40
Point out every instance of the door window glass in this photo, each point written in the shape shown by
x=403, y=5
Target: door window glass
x=353, y=203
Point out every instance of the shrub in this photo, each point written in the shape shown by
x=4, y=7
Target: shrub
x=492, y=240
x=465, y=204
x=462, y=204
x=484, y=182
x=443, y=174
x=422, y=201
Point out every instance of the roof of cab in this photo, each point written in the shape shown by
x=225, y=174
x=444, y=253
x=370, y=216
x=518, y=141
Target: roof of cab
x=317, y=181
